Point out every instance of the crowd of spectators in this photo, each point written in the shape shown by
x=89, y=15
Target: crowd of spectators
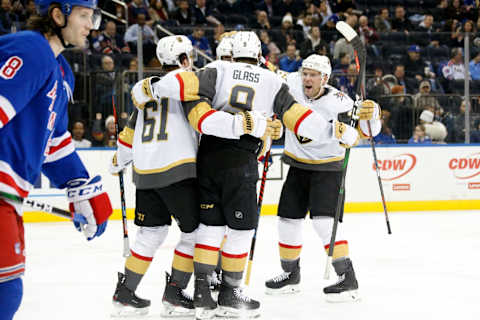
x=415, y=65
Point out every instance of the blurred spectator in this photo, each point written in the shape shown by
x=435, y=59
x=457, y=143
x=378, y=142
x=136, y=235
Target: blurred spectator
x=376, y=87
x=342, y=46
x=348, y=83
x=8, y=18
x=419, y=136
x=328, y=30
x=268, y=45
x=475, y=133
x=427, y=24
x=149, y=38
x=409, y=84
x=158, y=11
x=262, y=21
x=475, y=67
x=423, y=99
x=434, y=129
x=291, y=61
x=324, y=11
x=183, y=15
x=342, y=5
x=135, y=8
x=104, y=137
x=403, y=115
x=352, y=20
x=426, y=28
x=385, y=136
x=400, y=22
x=267, y=6
x=294, y=7
x=78, y=132
x=341, y=65
x=199, y=41
x=306, y=23
x=109, y=41
x=203, y=13
x=414, y=63
x=312, y=43
x=459, y=123
x=455, y=69
x=218, y=33
x=458, y=33
x=367, y=34
x=455, y=10
x=288, y=31
x=104, y=86
x=382, y=21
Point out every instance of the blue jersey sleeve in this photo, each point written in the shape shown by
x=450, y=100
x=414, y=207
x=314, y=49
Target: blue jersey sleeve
x=25, y=65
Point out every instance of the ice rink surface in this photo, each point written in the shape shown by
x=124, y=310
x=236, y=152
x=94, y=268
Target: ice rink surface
x=427, y=269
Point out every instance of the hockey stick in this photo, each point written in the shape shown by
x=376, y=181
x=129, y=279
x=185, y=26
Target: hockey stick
x=266, y=166
x=360, y=58
x=45, y=207
x=126, y=244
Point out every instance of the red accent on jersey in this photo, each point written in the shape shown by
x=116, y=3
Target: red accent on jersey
x=180, y=82
x=306, y=114
x=141, y=257
x=9, y=181
x=203, y=118
x=337, y=243
x=181, y=254
x=3, y=117
x=60, y=146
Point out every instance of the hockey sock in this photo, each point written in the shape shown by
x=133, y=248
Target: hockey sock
x=207, y=245
x=290, y=243
x=11, y=293
x=182, y=266
x=234, y=256
x=323, y=227
x=135, y=268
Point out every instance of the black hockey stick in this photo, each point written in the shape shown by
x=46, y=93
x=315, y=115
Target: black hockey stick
x=360, y=58
x=266, y=166
x=126, y=244
x=45, y=207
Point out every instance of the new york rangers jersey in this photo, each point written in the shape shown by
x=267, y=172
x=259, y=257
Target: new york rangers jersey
x=35, y=87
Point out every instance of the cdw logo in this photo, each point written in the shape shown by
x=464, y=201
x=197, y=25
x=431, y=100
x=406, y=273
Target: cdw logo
x=396, y=167
x=467, y=167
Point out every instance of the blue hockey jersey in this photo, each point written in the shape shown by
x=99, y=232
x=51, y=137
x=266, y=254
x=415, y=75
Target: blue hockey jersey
x=35, y=87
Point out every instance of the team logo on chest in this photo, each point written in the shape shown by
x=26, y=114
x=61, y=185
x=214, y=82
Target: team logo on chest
x=303, y=140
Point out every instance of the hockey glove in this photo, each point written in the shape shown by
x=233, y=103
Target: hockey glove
x=142, y=92
x=121, y=159
x=367, y=110
x=276, y=128
x=250, y=122
x=87, y=198
x=345, y=134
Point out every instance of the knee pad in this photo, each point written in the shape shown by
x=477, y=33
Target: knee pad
x=186, y=244
x=238, y=241
x=149, y=239
x=290, y=231
x=11, y=293
x=323, y=226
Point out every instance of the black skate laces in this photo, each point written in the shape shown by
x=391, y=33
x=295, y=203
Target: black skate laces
x=281, y=277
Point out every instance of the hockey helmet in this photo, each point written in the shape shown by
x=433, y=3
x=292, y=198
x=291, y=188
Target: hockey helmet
x=318, y=63
x=246, y=45
x=170, y=48
x=224, y=48
x=67, y=5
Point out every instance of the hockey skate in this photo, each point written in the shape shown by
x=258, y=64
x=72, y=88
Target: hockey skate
x=346, y=289
x=215, y=282
x=126, y=303
x=232, y=303
x=205, y=306
x=176, y=303
x=285, y=283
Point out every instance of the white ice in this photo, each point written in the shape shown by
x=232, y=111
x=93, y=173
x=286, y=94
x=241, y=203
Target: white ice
x=427, y=269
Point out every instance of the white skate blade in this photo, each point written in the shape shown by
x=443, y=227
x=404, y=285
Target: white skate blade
x=288, y=289
x=232, y=313
x=172, y=311
x=204, y=314
x=122, y=311
x=346, y=296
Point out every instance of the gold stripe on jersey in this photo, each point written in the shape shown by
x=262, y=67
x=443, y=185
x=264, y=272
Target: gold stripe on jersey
x=289, y=252
x=233, y=263
x=189, y=86
x=293, y=115
x=127, y=135
x=340, y=249
x=137, y=265
x=197, y=114
x=311, y=161
x=182, y=262
x=170, y=166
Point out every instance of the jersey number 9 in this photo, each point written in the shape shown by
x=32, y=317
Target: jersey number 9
x=241, y=97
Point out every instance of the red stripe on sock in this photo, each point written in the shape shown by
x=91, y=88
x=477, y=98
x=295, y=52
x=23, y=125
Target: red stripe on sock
x=337, y=243
x=205, y=247
x=136, y=255
x=234, y=256
x=283, y=245
x=181, y=254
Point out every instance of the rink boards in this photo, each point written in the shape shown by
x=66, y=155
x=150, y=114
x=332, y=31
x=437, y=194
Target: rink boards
x=414, y=178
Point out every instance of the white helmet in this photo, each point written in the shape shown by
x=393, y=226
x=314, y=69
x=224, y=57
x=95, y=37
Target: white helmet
x=246, y=45
x=318, y=63
x=224, y=48
x=170, y=48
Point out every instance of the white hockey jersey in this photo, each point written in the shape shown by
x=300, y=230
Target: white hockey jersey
x=164, y=145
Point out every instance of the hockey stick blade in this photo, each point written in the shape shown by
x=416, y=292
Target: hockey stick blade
x=347, y=32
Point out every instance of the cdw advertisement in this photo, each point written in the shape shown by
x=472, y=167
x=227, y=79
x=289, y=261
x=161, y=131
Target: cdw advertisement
x=416, y=173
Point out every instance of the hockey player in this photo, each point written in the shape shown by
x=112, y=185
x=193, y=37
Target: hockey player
x=36, y=84
x=227, y=168
x=224, y=48
x=313, y=180
x=163, y=148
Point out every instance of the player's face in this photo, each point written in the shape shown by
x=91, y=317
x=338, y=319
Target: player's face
x=78, y=26
x=313, y=81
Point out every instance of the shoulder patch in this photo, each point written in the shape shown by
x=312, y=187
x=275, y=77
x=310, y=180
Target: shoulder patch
x=11, y=67
x=340, y=95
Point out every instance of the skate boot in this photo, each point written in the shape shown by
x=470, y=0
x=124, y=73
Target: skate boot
x=285, y=283
x=215, y=282
x=205, y=306
x=176, y=303
x=232, y=303
x=346, y=289
x=126, y=303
